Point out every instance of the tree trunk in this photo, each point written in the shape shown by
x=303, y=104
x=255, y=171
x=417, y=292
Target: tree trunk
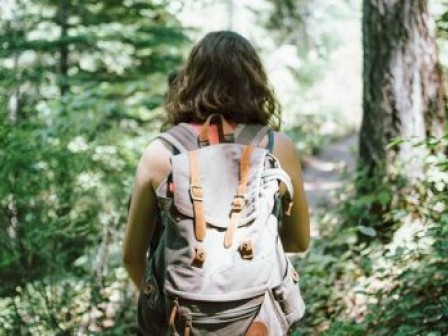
x=403, y=86
x=63, y=23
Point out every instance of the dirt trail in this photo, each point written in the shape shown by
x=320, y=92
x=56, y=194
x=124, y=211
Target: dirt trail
x=324, y=173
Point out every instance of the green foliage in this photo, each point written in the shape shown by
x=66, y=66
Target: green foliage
x=63, y=203
x=110, y=52
x=81, y=85
x=383, y=272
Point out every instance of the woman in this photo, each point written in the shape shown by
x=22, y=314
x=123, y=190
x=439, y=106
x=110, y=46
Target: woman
x=223, y=75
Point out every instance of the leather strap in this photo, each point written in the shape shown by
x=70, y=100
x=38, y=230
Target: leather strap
x=225, y=131
x=230, y=232
x=173, y=314
x=196, y=196
x=245, y=169
x=187, y=330
x=240, y=197
x=257, y=329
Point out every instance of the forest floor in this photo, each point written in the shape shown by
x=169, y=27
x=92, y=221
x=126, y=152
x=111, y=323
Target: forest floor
x=325, y=173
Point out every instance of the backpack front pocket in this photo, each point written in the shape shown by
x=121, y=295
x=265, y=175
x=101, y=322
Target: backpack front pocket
x=239, y=281
x=209, y=319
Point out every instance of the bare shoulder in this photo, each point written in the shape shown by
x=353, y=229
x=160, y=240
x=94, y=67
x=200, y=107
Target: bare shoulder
x=156, y=153
x=154, y=163
x=285, y=149
x=283, y=139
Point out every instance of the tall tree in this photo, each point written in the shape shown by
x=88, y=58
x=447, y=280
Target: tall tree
x=403, y=87
x=112, y=49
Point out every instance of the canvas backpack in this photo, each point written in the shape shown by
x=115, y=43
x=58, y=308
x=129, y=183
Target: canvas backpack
x=218, y=266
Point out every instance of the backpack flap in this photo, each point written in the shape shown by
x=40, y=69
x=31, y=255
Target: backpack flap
x=218, y=170
x=272, y=177
x=280, y=175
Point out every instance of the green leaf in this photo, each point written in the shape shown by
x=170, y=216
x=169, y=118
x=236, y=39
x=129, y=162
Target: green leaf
x=384, y=197
x=367, y=231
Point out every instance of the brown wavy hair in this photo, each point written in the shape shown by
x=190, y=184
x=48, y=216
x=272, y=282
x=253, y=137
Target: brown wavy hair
x=223, y=74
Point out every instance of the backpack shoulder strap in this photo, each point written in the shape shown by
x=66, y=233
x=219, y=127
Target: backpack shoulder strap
x=254, y=134
x=270, y=144
x=247, y=133
x=170, y=140
x=182, y=137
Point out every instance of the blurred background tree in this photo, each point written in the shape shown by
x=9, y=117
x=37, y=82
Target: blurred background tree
x=377, y=267
x=404, y=94
x=105, y=49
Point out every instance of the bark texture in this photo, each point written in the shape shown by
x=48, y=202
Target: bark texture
x=403, y=85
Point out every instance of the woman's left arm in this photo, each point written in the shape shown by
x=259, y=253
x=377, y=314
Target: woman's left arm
x=143, y=210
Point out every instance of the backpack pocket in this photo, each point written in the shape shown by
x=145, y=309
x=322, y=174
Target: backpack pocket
x=288, y=300
x=151, y=306
x=235, y=282
x=211, y=318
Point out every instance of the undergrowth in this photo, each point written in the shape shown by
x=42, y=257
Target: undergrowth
x=381, y=263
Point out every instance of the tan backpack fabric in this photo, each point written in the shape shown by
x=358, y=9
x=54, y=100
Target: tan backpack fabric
x=219, y=267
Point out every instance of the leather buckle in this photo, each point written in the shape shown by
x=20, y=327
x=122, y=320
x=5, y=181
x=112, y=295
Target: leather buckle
x=247, y=251
x=196, y=193
x=238, y=202
x=199, y=257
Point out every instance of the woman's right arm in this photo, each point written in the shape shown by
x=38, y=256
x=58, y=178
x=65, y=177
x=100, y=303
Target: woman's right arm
x=295, y=232
x=153, y=164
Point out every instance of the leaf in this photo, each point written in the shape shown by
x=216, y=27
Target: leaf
x=395, y=142
x=81, y=261
x=384, y=197
x=367, y=231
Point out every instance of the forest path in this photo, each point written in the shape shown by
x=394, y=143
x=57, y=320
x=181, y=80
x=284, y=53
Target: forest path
x=325, y=172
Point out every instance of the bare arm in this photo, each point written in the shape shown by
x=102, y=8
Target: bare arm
x=296, y=227
x=143, y=209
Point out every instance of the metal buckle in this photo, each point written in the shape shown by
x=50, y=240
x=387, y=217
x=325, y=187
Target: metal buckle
x=238, y=202
x=196, y=193
x=228, y=137
x=203, y=143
